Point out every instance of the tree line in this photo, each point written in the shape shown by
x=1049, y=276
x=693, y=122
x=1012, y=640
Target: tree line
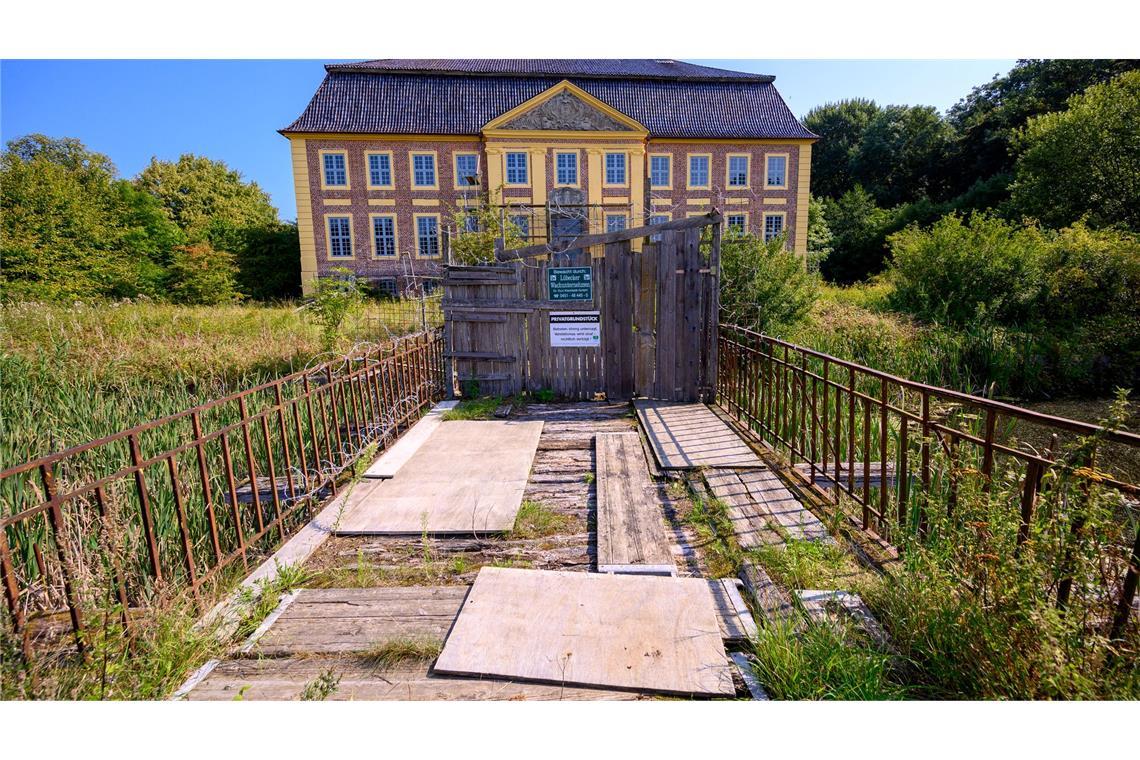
x=189, y=231
x=1053, y=142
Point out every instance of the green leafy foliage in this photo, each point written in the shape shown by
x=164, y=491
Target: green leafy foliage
x=335, y=298
x=763, y=285
x=478, y=229
x=199, y=274
x=819, y=236
x=1084, y=161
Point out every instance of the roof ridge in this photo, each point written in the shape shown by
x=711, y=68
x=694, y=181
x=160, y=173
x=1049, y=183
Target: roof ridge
x=594, y=68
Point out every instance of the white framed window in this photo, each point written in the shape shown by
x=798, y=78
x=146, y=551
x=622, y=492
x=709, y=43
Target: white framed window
x=657, y=219
x=427, y=235
x=773, y=226
x=616, y=222
x=466, y=169
x=335, y=169
x=470, y=222
x=383, y=235
x=522, y=222
x=776, y=174
x=699, y=170
x=737, y=222
x=517, y=168
x=380, y=169
x=423, y=170
x=566, y=168
x=738, y=171
x=660, y=171
x=615, y=168
x=340, y=237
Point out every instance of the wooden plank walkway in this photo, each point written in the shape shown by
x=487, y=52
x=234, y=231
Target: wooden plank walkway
x=800, y=524
x=467, y=478
x=749, y=519
x=685, y=436
x=631, y=531
x=826, y=481
x=598, y=630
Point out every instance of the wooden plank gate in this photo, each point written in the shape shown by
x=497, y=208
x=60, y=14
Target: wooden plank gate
x=619, y=318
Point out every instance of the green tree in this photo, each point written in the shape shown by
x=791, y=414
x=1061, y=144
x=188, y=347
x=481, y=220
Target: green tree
x=858, y=229
x=478, y=229
x=841, y=126
x=1084, y=161
x=200, y=274
x=819, y=236
x=207, y=199
x=902, y=155
x=763, y=285
x=987, y=119
x=337, y=296
x=269, y=262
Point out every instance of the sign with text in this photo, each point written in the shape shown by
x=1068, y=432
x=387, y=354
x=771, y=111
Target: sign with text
x=570, y=284
x=575, y=329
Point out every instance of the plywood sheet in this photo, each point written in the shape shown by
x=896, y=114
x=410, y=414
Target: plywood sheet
x=685, y=436
x=631, y=532
x=637, y=632
x=467, y=478
x=409, y=443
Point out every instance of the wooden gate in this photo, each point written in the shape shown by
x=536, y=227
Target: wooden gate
x=623, y=323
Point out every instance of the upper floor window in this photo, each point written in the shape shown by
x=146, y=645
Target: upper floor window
x=659, y=171
x=698, y=171
x=738, y=171
x=336, y=169
x=517, y=169
x=777, y=175
x=427, y=235
x=340, y=236
x=566, y=167
x=737, y=222
x=773, y=226
x=615, y=168
x=380, y=169
x=466, y=169
x=423, y=170
x=615, y=222
x=384, y=235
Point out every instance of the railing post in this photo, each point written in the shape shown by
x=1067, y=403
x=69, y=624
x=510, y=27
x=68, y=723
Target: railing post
x=59, y=533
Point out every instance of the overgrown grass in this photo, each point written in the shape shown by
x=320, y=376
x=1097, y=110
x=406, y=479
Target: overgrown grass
x=822, y=662
x=710, y=521
x=394, y=652
x=474, y=409
x=811, y=565
x=535, y=520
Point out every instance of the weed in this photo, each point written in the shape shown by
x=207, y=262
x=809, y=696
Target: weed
x=544, y=395
x=474, y=409
x=388, y=654
x=322, y=687
x=535, y=520
x=589, y=478
x=709, y=519
x=810, y=564
x=459, y=565
x=260, y=601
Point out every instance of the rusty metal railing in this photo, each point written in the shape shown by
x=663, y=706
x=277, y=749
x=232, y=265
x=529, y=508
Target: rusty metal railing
x=177, y=503
x=891, y=451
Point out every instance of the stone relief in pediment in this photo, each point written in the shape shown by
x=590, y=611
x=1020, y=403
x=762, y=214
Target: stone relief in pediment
x=569, y=112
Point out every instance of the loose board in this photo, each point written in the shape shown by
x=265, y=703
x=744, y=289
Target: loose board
x=631, y=529
x=402, y=450
x=685, y=436
x=467, y=478
x=638, y=632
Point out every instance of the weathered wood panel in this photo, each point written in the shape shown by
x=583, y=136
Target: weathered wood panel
x=631, y=529
x=589, y=629
x=766, y=489
x=749, y=520
x=686, y=436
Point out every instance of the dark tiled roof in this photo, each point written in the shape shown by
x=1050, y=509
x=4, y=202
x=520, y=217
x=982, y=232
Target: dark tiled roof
x=625, y=68
x=354, y=100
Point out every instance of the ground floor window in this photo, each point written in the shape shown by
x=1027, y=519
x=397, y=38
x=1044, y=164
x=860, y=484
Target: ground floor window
x=737, y=222
x=386, y=286
x=615, y=222
x=427, y=236
x=340, y=237
x=384, y=235
x=773, y=226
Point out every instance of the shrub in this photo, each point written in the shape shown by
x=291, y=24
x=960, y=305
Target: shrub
x=336, y=297
x=763, y=285
x=199, y=274
x=478, y=229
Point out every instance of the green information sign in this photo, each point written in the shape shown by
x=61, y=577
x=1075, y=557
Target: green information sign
x=570, y=284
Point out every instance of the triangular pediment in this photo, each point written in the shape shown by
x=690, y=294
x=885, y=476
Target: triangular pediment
x=564, y=108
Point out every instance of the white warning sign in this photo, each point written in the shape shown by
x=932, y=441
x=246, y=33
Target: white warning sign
x=575, y=329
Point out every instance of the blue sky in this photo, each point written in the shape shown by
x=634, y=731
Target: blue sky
x=230, y=110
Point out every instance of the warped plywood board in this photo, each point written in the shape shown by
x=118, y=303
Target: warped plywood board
x=339, y=620
x=285, y=678
x=640, y=632
x=631, y=529
x=685, y=436
x=409, y=443
x=468, y=477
